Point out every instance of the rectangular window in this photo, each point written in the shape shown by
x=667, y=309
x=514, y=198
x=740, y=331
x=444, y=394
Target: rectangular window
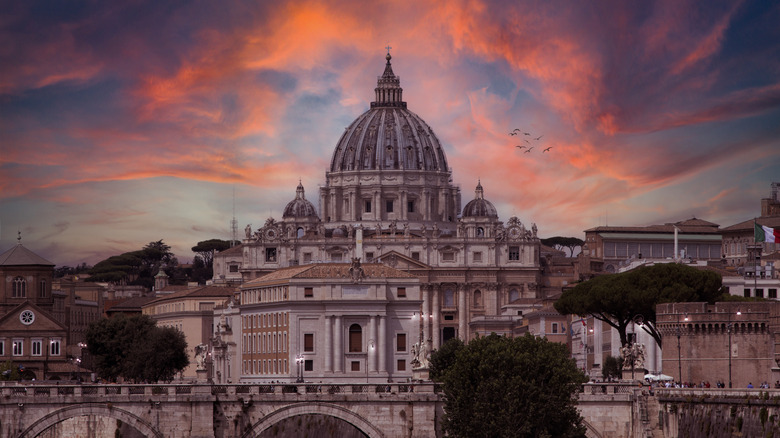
x=772, y=293
x=449, y=318
x=514, y=253
x=400, y=342
x=389, y=206
x=760, y=293
x=2, y=347
x=54, y=347
x=747, y=292
x=368, y=206
x=401, y=365
x=307, y=257
x=448, y=256
x=410, y=206
x=477, y=257
x=336, y=257
x=18, y=347
x=233, y=268
x=270, y=255
x=555, y=327
x=36, y=347
x=308, y=365
x=308, y=342
x=355, y=365
x=369, y=257
x=401, y=292
x=308, y=292
x=416, y=255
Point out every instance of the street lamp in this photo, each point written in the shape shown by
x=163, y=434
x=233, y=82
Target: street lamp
x=729, y=329
x=679, y=359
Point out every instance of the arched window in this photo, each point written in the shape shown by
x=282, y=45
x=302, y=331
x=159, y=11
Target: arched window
x=355, y=338
x=300, y=232
x=514, y=295
x=42, y=288
x=19, y=288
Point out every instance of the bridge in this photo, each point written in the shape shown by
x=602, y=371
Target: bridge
x=252, y=410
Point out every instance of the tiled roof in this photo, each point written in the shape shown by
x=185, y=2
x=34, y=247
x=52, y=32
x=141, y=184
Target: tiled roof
x=236, y=250
x=330, y=270
x=202, y=291
x=21, y=256
x=767, y=221
x=693, y=225
x=134, y=303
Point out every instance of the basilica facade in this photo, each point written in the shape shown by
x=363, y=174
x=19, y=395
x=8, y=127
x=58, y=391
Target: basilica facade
x=389, y=198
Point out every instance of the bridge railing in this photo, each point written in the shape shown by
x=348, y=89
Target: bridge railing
x=597, y=388
x=38, y=390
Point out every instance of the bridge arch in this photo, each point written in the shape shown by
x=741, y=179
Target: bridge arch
x=327, y=409
x=591, y=431
x=97, y=409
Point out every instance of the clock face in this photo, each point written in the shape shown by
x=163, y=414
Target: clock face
x=514, y=232
x=27, y=317
x=270, y=234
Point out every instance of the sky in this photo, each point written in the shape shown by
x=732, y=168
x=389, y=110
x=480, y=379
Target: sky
x=127, y=122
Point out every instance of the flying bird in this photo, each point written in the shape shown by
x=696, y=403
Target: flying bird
x=520, y=147
x=539, y=137
x=516, y=129
x=529, y=149
x=547, y=149
x=526, y=133
x=513, y=133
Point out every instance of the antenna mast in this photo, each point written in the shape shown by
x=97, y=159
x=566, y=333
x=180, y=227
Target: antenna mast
x=234, y=222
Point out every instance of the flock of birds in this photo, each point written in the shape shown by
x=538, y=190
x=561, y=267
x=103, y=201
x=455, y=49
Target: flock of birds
x=530, y=146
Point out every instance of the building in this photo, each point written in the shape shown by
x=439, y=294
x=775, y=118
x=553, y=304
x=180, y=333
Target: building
x=339, y=322
x=31, y=336
x=192, y=312
x=389, y=197
x=612, y=248
x=730, y=342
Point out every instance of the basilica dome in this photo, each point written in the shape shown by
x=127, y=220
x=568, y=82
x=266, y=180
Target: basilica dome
x=388, y=136
x=299, y=207
x=479, y=206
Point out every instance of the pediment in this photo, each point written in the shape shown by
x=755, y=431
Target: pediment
x=41, y=319
x=399, y=261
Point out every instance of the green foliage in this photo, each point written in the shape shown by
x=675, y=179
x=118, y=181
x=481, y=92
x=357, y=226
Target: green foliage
x=443, y=358
x=617, y=298
x=559, y=243
x=136, y=349
x=518, y=387
x=9, y=371
x=612, y=368
x=135, y=267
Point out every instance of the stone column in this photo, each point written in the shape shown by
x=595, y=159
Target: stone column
x=332, y=208
x=381, y=346
x=462, y=313
x=426, y=312
x=338, y=359
x=378, y=205
x=328, y=344
x=435, y=335
x=426, y=210
x=404, y=212
x=371, y=354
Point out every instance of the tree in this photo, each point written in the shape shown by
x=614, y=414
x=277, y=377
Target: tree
x=618, y=299
x=134, y=348
x=206, y=249
x=612, y=367
x=136, y=267
x=443, y=358
x=559, y=243
x=519, y=387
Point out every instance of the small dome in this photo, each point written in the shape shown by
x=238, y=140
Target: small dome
x=479, y=206
x=299, y=207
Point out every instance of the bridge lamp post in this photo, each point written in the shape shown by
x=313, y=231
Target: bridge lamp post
x=729, y=327
x=678, y=331
x=299, y=360
x=369, y=351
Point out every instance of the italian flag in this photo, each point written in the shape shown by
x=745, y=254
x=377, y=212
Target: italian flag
x=766, y=234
